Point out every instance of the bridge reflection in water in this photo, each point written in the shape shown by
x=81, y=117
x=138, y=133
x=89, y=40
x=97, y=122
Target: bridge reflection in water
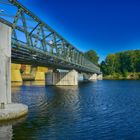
x=47, y=106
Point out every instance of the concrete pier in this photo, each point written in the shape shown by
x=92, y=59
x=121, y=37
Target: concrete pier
x=91, y=77
x=26, y=73
x=62, y=78
x=100, y=77
x=5, y=64
x=40, y=73
x=13, y=111
x=15, y=73
x=27, y=69
x=5, y=77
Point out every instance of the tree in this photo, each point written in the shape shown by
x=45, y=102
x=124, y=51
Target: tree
x=92, y=56
x=138, y=61
x=103, y=67
x=112, y=64
x=121, y=63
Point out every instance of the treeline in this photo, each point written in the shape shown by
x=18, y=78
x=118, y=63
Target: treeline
x=121, y=63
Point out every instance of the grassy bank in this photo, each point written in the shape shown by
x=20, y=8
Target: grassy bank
x=127, y=76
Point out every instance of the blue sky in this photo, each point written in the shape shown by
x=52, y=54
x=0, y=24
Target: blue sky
x=106, y=26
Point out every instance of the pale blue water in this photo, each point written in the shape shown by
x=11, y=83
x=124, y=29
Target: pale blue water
x=102, y=110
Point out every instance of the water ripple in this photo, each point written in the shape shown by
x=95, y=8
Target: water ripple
x=95, y=110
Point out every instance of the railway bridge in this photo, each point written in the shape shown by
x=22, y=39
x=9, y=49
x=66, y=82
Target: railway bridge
x=26, y=39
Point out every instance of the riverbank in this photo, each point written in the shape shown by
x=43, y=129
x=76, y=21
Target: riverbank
x=126, y=76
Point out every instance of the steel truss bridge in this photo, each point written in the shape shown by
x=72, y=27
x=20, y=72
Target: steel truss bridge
x=36, y=43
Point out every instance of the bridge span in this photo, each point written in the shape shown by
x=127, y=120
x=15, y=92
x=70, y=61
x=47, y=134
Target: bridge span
x=33, y=42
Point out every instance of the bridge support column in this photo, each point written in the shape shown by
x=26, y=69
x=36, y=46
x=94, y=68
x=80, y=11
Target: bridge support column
x=7, y=109
x=100, y=77
x=93, y=77
x=15, y=73
x=62, y=78
x=90, y=76
x=27, y=69
x=27, y=74
x=5, y=64
x=40, y=73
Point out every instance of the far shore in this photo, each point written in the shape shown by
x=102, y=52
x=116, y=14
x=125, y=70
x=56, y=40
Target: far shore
x=126, y=76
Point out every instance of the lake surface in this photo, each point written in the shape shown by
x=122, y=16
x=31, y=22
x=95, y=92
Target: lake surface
x=101, y=110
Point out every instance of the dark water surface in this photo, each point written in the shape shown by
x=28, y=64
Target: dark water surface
x=102, y=110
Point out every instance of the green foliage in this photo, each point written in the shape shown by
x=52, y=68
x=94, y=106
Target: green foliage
x=92, y=56
x=122, y=63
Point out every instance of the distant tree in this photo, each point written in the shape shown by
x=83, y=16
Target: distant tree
x=122, y=62
x=92, y=56
x=103, y=67
x=111, y=63
x=137, y=61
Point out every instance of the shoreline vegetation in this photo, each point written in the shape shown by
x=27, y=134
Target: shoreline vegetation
x=127, y=76
x=123, y=65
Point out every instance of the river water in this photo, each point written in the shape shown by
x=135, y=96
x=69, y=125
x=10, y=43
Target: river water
x=100, y=110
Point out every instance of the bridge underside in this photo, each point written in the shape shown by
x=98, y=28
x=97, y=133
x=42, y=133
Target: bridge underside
x=31, y=56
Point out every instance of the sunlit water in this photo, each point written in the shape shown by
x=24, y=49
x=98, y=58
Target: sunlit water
x=102, y=110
